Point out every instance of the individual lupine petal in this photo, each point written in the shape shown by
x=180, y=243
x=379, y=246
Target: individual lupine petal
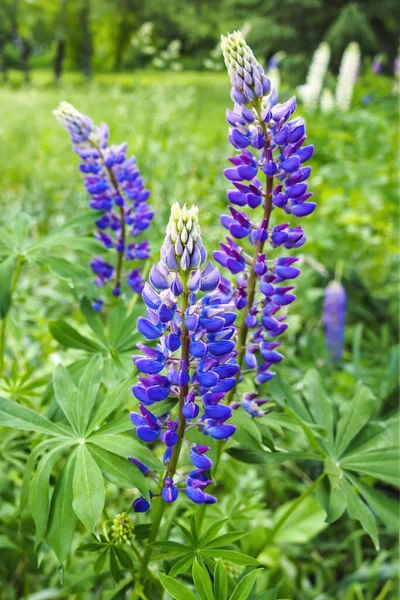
x=97, y=304
x=190, y=410
x=137, y=419
x=169, y=492
x=210, y=278
x=148, y=330
x=220, y=431
x=173, y=342
x=146, y=434
x=141, y=505
x=286, y=272
x=250, y=358
x=169, y=438
x=220, y=348
x=165, y=313
x=157, y=279
x=199, y=458
x=140, y=465
x=305, y=153
x=145, y=365
x=303, y=210
x=218, y=411
x=150, y=298
x=176, y=286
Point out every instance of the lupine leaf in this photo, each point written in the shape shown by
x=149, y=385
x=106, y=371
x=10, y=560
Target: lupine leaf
x=65, y=269
x=354, y=415
x=125, y=446
x=236, y=558
x=88, y=388
x=178, y=590
x=30, y=466
x=116, y=397
x=358, y=510
x=6, y=279
x=120, y=424
x=171, y=547
x=225, y=539
x=19, y=417
x=71, y=338
x=245, y=585
x=247, y=432
x=62, y=521
x=202, y=582
x=66, y=395
x=88, y=489
x=305, y=522
x=259, y=457
x=39, y=490
x=123, y=586
x=385, y=508
x=220, y=581
x=382, y=464
x=119, y=470
x=182, y=565
x=319, y=404
x=212, y=531
x=94, y=321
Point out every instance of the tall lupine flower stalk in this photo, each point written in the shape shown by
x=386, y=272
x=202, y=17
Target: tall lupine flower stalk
x=193, y=362
x=268, y=174
x=334, y=317
x=311, y=90
x=117, y=191
x=348, y=75
x=327, y=101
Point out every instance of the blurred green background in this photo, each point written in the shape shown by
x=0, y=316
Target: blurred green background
x=151, y=69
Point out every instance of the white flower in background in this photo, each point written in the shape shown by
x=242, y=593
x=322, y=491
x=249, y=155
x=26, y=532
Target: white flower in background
x=348, y=75
x=311, y=90
x=327, y=101
x=214, y=61
x=167, y=59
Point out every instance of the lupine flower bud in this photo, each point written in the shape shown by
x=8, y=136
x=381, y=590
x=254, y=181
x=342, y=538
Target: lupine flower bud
x=334, y=318
x=121, y=529
x=183, y=249
x=246, y=74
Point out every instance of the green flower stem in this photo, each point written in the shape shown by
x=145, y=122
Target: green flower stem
x=158, y=503
x=293, y=507
x=3, y=325
x=251, y=289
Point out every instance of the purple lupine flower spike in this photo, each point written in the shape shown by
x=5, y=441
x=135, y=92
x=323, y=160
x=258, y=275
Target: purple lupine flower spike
x=334, y=317
x=269, y=175
x=117, y=191
x=192, y=358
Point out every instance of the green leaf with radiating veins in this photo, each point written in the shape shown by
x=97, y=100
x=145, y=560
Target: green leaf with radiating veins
x=88, y=487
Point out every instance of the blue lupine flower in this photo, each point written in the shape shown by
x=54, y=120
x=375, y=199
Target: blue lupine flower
x=193, y=360
x=117, y=191
x=270, y=147
x=334, y=318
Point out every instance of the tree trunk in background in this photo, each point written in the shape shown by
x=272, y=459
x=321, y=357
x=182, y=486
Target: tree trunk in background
x=61, y=35
x=26, y=51
x=3, y=61
x=87, y=48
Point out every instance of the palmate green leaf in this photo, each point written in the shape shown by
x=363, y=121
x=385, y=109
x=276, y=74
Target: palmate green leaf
x=182, y=565
x=319, y=405
x=94, y=321
x=88, y=489
x=39, y=490
x=385, y=508
x=70, y=338
x=282, y=394
x=116, y=397
x=354, y=415
x=88, y=388
x=62, y=521
x=6, y=278
x=212, y=531
x=65, y=268
x=125, y=446
x=172, y=547
x=202, y=582
x=259, y=457
x=84, y=220
x=119, y=470
x=220, y=581
x=19, y=417
x=244, y=587
x=30, y=465
x=120, y=424
x=382, y=464
x=225, y=539
x=178, y=590
x=247, y=432
x=66, y=395
x=358, y=510
x=237, y=558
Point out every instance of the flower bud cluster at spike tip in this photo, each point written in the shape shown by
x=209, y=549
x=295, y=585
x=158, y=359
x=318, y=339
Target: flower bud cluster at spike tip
x=118, y=194
x=246, y=74
x=269, y=177
x=334, y=318
x=193, y=361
